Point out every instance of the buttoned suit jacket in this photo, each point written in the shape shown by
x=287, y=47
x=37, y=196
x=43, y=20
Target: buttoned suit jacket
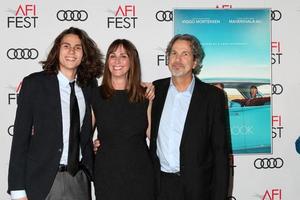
x=38, y=139
x=204, y=155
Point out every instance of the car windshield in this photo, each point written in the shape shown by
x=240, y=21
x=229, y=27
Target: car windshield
x=264, y=90
x=244, y=93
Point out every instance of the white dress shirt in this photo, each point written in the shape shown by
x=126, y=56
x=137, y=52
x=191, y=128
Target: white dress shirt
x=65, y=91
x=171, y=127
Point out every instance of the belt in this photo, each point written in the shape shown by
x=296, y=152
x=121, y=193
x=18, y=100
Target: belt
x=64, y=168
x=170, y=174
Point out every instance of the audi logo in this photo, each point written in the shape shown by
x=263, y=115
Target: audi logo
x=277, y=89
x=10, y=130
x=166, y=15
x=72, y=15
x=25, y=53
x=276, y=15
x=268, y=163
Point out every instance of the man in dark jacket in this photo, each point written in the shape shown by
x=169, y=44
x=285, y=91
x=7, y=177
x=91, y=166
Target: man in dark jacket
x=51, y=154
x=189, y=142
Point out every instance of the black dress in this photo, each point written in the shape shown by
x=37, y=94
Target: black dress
x=123, y=168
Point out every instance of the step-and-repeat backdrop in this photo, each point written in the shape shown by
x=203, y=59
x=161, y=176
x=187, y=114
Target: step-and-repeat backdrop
x=28, y=28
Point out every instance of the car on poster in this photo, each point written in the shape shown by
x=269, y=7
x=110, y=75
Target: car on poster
x=249, y=118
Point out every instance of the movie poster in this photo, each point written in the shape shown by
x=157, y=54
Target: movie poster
x=237, y=44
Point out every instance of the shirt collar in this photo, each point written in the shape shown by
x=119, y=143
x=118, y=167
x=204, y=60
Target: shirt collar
x=189, y=89
x=63, y=80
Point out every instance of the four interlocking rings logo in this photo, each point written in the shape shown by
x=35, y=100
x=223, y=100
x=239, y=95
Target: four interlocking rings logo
x=276, y=15
x=72, y=15
x=166, y=15
x=24, y=53
x=268, y=163
x=10, y=130
x=277, y=89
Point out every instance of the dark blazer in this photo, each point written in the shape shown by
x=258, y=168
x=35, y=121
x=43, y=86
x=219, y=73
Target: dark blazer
x=38, y=142
x=204, y=164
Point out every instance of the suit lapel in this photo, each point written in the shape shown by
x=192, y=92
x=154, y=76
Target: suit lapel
x=86, y=94
x=52, y=86
x=159, y=104
x=196, y=101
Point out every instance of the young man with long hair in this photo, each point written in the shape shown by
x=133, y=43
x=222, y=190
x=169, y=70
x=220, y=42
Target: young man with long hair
x=51, y=154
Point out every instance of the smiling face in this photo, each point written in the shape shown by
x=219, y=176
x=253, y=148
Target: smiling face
x=119, y=63
x=70, y=53
x=181, y=59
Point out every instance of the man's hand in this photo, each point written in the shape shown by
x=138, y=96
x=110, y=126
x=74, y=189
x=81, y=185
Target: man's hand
x=150, y=91
x=96, y=145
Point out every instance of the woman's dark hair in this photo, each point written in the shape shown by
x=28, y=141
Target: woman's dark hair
x=91, y=65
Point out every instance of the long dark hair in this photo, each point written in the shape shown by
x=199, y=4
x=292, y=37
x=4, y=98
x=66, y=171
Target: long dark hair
x=91, y=65
x=135, y=90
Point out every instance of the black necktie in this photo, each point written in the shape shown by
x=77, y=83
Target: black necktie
x=73, y=156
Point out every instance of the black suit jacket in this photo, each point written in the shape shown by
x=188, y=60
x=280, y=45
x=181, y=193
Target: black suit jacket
x=38, y=142
x=204, y=164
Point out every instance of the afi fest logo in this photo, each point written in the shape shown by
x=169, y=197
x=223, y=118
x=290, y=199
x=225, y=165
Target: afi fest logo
x=274, y=194
x=13, y=96
x=25, y=16
x=124, y=17
x=277, y=127
x=161, y=57
x=276, y=53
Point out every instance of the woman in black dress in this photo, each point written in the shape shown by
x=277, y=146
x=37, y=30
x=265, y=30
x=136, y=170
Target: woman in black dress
x=123, y=169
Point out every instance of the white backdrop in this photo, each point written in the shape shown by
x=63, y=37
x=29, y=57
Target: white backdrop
x=148, y=24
